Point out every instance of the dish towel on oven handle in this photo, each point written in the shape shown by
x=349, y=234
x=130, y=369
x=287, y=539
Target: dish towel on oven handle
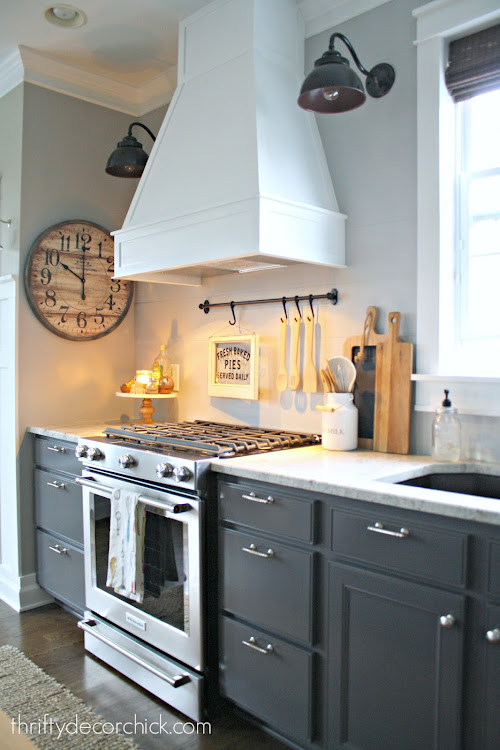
x=126, y=545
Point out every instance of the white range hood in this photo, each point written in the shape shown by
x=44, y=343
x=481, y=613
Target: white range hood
x=237, y=178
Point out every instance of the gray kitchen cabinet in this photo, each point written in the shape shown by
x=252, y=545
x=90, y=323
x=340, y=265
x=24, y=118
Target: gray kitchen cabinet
x=59, y=522
x=395, y=671
x=267, y=592
x=377, y=629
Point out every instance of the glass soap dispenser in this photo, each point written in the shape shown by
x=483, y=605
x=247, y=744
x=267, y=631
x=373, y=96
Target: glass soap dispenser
x=446, y=432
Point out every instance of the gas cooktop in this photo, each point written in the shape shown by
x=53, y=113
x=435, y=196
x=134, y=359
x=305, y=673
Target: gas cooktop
x=214, y=439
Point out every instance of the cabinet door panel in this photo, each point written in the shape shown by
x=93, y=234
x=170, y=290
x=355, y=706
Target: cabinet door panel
x=58, y=505
x=273, y=684
x=57, y=454
x=492, y=683
x=394, y=671
x=60, y=570
x=274, y=591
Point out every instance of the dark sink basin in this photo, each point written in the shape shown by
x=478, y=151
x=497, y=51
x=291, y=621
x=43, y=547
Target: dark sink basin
x=482, y=485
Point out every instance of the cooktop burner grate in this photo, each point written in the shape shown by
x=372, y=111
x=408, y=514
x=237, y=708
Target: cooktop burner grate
x=211, y=438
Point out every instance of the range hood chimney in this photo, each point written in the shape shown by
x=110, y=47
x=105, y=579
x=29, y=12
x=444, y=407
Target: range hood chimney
x=237, y=179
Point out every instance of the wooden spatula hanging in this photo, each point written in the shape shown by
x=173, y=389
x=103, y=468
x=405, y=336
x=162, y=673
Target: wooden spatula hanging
x=310, y=384
x=282, y=376
x=294, y=374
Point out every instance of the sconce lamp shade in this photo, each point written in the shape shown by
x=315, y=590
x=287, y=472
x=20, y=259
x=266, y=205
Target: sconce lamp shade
x=129, y=158
x=332, y=86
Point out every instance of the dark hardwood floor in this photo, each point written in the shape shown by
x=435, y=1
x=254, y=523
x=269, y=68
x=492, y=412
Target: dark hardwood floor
x=49, y=637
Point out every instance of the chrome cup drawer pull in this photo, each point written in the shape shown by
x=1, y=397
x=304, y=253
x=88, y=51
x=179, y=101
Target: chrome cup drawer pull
x=252, y=550
x=447, y=621
x=493, y=636
x=378, y=528
x=56, y=448
x=59, y=550
x=269, y=500
x=58, y=486
x=252, y=643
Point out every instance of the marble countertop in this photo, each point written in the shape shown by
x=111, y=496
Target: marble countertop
x=361, y=475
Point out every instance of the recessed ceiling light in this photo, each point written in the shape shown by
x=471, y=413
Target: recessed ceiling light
x=65, y=16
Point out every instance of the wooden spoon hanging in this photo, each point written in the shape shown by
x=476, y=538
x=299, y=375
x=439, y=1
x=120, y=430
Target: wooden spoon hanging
x=294, y=374
x=282, y=376
x=310, y=375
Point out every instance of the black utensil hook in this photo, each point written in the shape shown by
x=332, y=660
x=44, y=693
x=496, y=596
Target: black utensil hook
x=233, y=321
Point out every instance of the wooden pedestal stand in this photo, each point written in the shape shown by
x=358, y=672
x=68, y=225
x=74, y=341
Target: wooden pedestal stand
x=146, y=409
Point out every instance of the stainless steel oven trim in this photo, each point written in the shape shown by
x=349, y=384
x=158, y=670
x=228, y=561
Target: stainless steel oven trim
x=186, y=647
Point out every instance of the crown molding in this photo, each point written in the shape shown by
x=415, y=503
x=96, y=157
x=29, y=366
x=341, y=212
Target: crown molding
x=11, y=73
x=26, y=64
x=322, y=15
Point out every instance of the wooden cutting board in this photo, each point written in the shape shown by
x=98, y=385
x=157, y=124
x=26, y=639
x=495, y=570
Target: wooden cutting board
x=365, y=389
x=394, y=366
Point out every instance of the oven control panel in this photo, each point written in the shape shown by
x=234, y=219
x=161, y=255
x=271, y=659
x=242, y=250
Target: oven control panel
x=141, y=463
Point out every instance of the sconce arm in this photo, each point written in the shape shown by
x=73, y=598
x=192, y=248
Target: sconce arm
x=338, y=35
x=141, y=126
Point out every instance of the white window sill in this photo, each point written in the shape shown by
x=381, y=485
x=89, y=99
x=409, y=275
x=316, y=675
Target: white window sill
x=476, y=396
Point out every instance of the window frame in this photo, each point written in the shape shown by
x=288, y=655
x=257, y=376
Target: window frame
x=438, y=23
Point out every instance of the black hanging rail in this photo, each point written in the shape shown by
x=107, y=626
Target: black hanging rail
x=331, y=295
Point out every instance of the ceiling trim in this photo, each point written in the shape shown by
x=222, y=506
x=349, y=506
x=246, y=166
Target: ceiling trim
x=11, y=73
x=317, y=19
x=26, y=64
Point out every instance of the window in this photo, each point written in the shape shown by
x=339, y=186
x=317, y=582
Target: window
x=477, y=239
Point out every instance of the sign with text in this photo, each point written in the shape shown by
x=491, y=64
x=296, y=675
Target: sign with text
x=234, y=366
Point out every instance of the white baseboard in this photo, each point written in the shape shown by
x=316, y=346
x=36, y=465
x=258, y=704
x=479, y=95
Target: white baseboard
x=21, y=592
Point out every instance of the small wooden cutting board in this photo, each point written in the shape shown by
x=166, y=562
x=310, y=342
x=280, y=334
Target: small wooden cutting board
x=394, y=366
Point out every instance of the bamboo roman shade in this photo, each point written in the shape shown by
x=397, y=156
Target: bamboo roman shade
x=474, y=64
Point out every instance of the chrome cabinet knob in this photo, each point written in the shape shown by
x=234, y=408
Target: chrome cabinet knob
x=164, y=470
x=126, y=461
x=94, y=454
x=81, y=451
x=181, y=474
x=493, y=636
x=447, y=622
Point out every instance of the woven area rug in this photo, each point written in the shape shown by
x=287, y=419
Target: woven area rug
x=48, y=713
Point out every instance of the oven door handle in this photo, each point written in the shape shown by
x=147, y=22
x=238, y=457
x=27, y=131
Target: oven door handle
x=94, y=485
x=164, y=505
x=177, y=681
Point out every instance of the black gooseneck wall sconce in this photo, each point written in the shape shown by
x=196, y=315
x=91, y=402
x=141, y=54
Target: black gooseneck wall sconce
x=333, y=87
x=129, y=158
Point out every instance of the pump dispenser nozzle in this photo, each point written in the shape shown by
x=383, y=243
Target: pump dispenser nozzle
x=446, y=401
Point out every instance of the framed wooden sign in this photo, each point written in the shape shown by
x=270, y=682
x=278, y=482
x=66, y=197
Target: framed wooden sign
x=233, y=366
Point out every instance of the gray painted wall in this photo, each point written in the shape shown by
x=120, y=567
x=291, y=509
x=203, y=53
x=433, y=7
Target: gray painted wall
x=66, y=143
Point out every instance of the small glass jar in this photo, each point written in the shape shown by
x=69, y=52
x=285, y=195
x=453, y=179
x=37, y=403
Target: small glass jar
x=446, y=433
x=152, y=386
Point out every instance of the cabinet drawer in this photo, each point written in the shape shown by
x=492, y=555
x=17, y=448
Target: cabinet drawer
x=57, y=454
x=60, y=573
x=380, y=539
x=270, y=585
x=267, y=509
x=494, y=569
x=273, y=685
x=58, y=505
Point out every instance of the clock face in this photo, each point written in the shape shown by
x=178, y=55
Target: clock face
x=69, y=281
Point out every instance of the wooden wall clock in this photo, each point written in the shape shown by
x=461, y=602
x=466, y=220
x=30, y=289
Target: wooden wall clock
x=69, y=281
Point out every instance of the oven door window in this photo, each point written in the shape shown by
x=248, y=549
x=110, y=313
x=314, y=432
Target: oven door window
x=166, y=590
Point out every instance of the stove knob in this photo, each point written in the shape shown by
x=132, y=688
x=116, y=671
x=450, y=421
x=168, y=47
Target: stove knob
x=181, y=474
x=126, y=461
x=164, y=470
x=81, y=451
x=94, y=454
